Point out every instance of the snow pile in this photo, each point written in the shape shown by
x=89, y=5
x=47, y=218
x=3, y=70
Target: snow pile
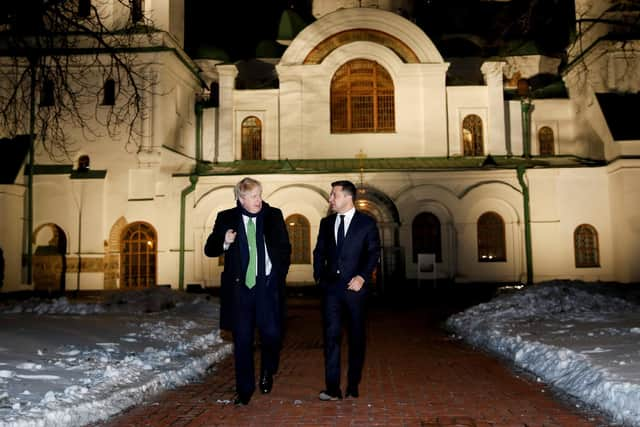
x=64, y=363
x=580, y=338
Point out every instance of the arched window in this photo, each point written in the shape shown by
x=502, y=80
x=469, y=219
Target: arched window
x=251, y=139
x=472, y=138
x=545, y=140
x=362, y=98
x=299, y=236
x=109, y=92
x=138, y=256
x=426, y=236
x=47, y=96
x=585, y=244
x=491, y=241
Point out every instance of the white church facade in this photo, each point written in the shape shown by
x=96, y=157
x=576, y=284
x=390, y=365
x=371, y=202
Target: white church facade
x=493, y=188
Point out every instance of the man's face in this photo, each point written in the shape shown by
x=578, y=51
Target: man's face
x=340, y=201
x=252, y=200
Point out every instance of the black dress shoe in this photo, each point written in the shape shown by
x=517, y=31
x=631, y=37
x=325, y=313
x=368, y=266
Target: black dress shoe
x=266, y=383
x=330, y=395
x=242, y=399
x=352, y=392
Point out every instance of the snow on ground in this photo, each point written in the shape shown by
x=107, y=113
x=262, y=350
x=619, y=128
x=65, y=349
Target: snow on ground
x=583, y=339
x=70, y=364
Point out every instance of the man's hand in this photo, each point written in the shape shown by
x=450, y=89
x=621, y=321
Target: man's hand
x=229, y=237
x=356, y=284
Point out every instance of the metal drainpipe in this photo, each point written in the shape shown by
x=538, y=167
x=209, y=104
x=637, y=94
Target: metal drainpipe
x=193, y=179
x=527, y=223
x=32, y=141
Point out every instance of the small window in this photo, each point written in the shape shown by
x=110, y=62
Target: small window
x=47, y=96
x=426, y=236
x=299, y=236
x=251, y=139
x=491, y=240
x=109, y=92
x=472, y=136
x=84, y=8
x=585, y=242
x=545, y=139
x=137, y=8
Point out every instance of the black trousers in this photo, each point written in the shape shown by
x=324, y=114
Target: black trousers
x=256, y=307
x=342, y=306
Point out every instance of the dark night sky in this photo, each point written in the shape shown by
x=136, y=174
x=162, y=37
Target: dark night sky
x=236, y=26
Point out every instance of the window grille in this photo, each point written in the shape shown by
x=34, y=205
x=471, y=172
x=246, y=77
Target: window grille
x=138, y=256
x=251, y=139
x=362, y=98
x=299, y=236
x=585, y=242
x=545, y=139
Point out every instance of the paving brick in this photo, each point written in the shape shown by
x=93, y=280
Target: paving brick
x=415, y=375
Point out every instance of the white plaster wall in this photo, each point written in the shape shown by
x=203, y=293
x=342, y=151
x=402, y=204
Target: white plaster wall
x=462, y=101
x=262, y=104
x=558, y=114
x=11, y=232
x=583, y=198
x=624, y=176
x=305, y=99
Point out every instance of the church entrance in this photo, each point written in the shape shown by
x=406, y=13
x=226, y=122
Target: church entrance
x=391, y=266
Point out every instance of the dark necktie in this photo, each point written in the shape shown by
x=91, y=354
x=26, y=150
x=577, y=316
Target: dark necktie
x=340, y=238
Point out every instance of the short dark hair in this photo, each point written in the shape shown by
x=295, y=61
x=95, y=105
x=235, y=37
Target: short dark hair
x=347, y=187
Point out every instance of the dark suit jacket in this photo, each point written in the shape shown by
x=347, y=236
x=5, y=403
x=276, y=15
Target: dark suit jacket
x=235, y=265
x=359, y=255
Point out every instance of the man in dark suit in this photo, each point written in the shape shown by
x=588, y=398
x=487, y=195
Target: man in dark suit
x=254, y=240
x=345, y=257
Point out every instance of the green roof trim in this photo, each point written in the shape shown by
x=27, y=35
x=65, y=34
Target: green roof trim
x=90, y=174
x=52, y=169
x=405, y=164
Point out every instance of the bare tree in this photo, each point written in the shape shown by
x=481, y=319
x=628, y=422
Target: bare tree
x=74, y=65
x=70, y=67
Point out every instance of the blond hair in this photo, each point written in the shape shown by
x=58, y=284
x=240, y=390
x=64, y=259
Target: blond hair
x=246, y=185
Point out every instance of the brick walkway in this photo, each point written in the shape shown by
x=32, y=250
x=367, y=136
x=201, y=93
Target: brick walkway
x=415, y=375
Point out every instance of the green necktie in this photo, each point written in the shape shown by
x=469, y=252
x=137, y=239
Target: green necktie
x=250, y=279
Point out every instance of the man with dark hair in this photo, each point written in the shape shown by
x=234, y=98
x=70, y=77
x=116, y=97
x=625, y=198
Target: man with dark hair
x=254, y=240
x=344, y=259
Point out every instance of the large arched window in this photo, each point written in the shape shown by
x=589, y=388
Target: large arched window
x=545, y=140
x=426, y=236
x=585, y=243
x=472, y=136
x=138, y=256
x=299, y=236
x=362, y=98
x=251, y=139
x=491, y=240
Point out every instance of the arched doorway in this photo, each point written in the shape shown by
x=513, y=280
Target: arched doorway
x=374, y=202
x=49, y=258
x=138, y=256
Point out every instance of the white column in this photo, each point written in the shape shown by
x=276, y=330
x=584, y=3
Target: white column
x=496, y=129
x=226, y=146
